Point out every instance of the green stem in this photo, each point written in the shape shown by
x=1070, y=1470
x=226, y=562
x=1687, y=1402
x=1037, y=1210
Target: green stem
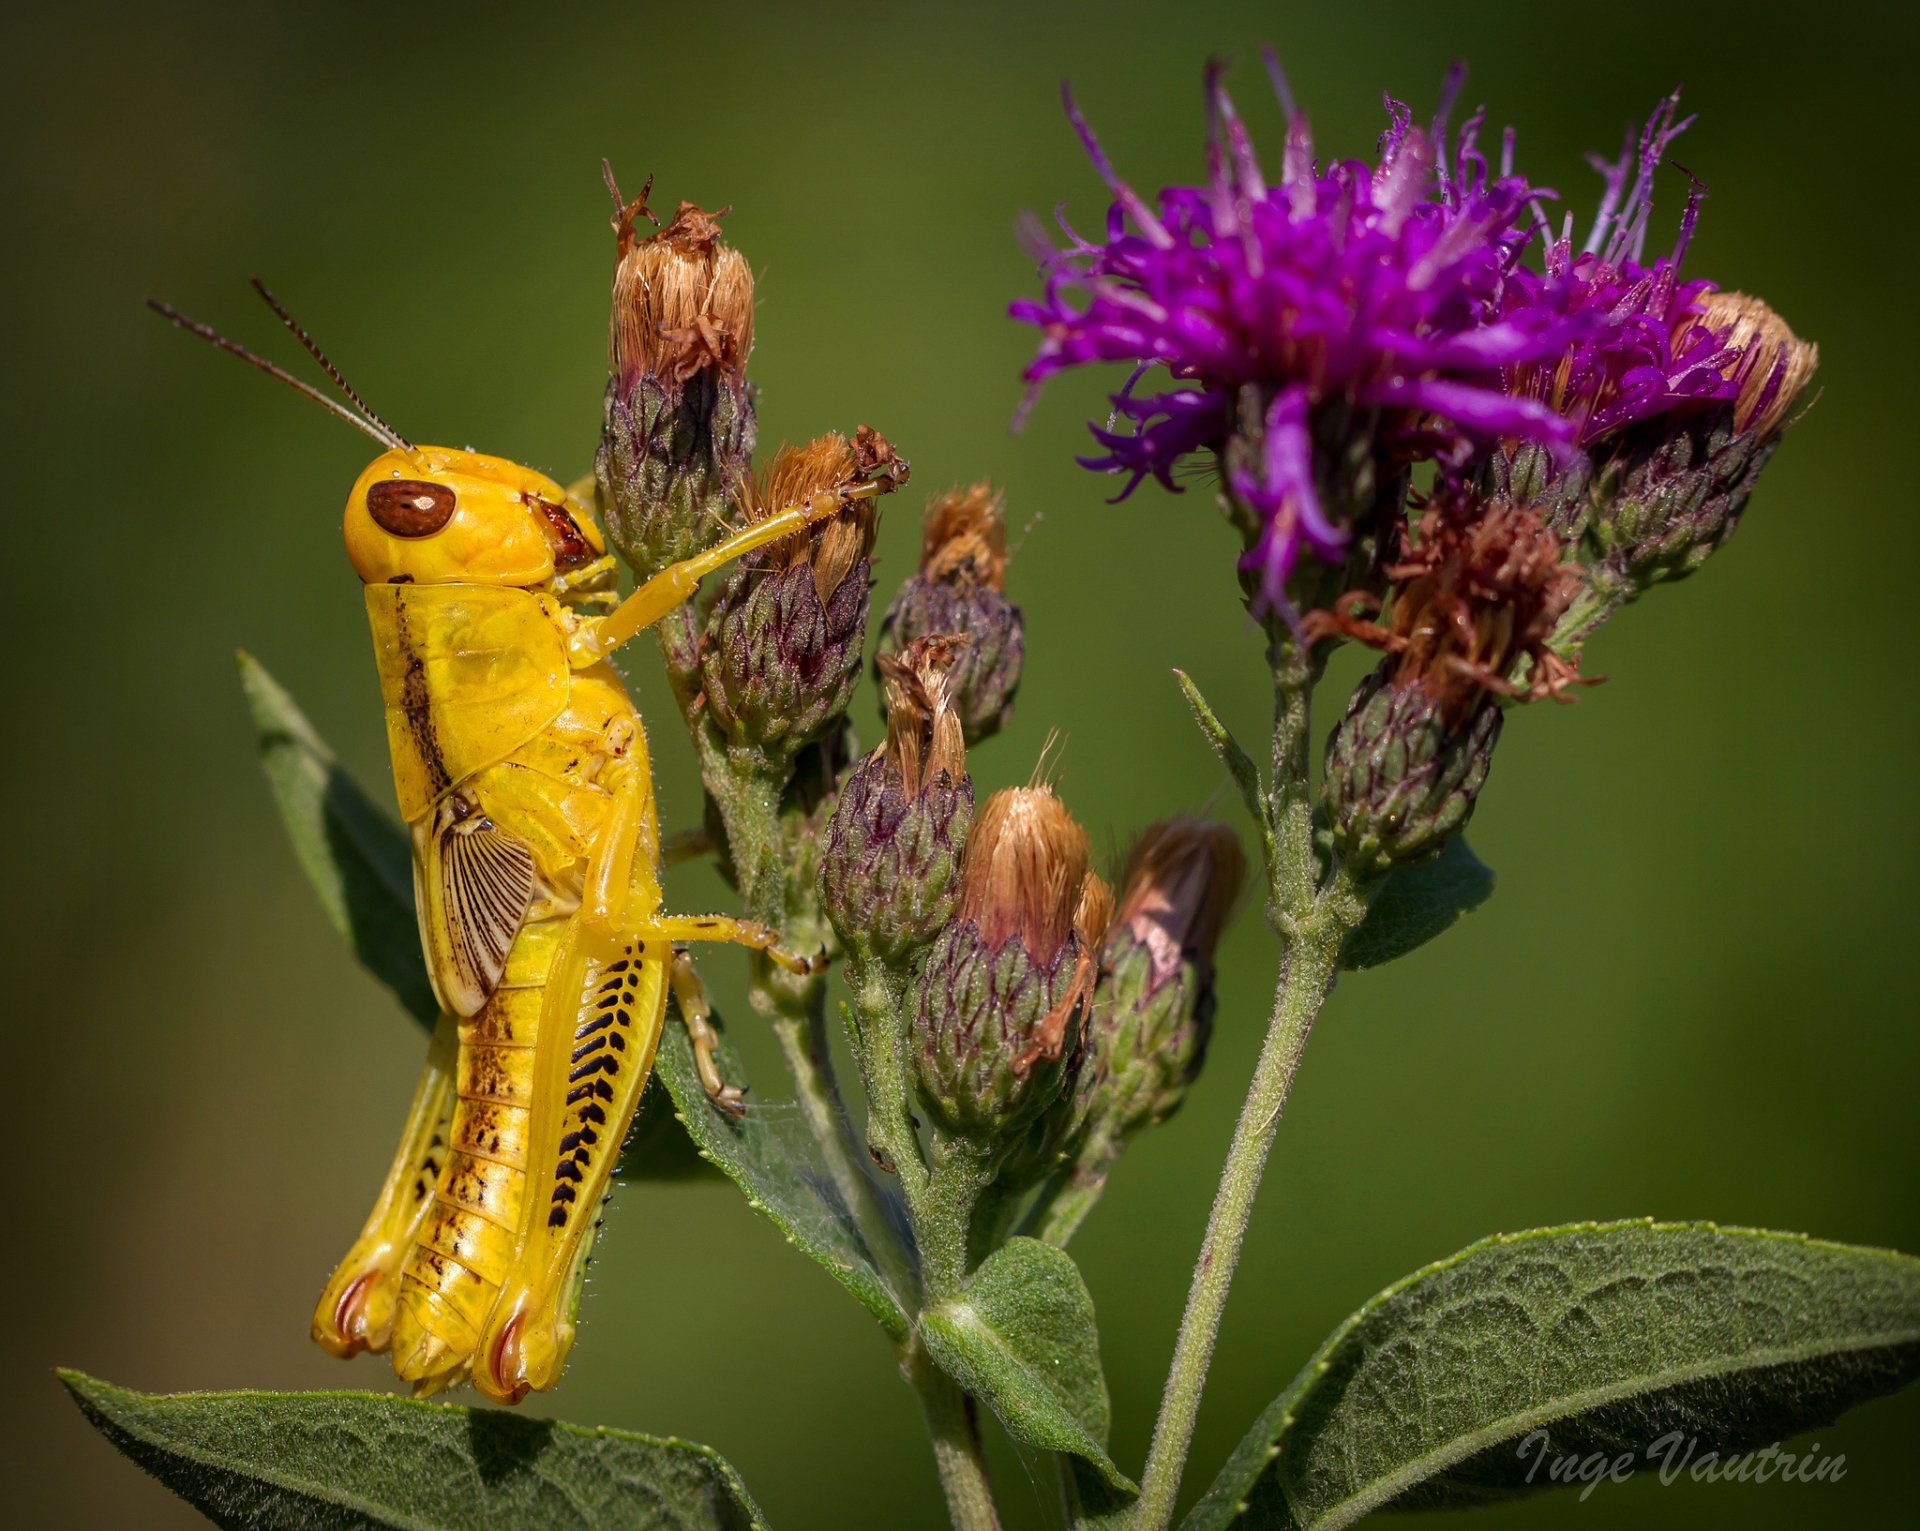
x=1307, y=968
x=748, y=796
x=941, y=1201
x=945, y=1220
x=799, y=1025
x=1292, y=871
x=880, y=1010
x=1063, y=1204
x=747, y=787
x=1311, y=923
x=953, y=1426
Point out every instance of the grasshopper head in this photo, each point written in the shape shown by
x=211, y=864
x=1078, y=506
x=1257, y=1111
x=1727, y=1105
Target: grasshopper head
x=436, y=515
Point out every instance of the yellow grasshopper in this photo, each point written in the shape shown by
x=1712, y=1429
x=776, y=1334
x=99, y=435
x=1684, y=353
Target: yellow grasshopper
x=521, y=769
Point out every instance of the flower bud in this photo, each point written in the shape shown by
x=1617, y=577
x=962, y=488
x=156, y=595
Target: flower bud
x=1667, y=499
x=1153, y=1003
x=1772, y=365
x=888, y=870
x=1474, y=601
x=1557, y=487
x=782, y=646
x=997, y=1008
x=959, y=588
x=1399, y=780
x=678, y=420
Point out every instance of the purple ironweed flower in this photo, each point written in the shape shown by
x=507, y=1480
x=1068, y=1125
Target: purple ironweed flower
x=1374, y=291
x=1652, y=349
x=1677, y=393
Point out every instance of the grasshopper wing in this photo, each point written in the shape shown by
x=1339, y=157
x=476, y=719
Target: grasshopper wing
x=472, y=886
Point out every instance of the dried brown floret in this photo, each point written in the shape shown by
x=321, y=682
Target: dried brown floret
x=1475, y=595
x=682, y=297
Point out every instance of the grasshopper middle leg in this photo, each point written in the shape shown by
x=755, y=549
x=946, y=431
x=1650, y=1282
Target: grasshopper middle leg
x=697, y=1016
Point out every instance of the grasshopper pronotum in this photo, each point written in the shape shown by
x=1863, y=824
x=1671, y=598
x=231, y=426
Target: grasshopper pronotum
x=522, y=773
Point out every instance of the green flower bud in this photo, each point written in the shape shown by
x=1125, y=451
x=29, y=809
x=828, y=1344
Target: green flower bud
x=1475, y=597
x=996, y=1011
x=889, y=869
x=781, y=653
x=959, y=589
x=677, y=424
x=1558, y=490
x=1153, y=1003
x=1147, y=1026
x=1664, y=503
x=1652, y=500
x=1361, y=485
x=1400, y=778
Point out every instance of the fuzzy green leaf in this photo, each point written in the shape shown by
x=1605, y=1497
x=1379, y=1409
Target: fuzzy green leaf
x=359, y=862
x=334, y=1461
x=1604, y=1337
x=1093, y=1503
x=1021, y=1339
x=771, y=1156
x=1417, y=903
x=657, y=1146
x=356, y=857
x=1240, y=766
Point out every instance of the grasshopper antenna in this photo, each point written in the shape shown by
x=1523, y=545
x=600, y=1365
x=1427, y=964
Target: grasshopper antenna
x=381, y=433
x=387, y=432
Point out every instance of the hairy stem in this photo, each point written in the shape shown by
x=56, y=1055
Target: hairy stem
x=1291, y=868
x=1306, y=973
x=748, y=796
x=1312, y=922
x=881, y=1036
x=942, y=1198
x=946, y=1217
x=953, y=1425
x=800, y=1028
x=1064, y=1201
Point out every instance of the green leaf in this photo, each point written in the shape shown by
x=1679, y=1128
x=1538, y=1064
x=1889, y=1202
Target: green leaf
x=1094, y=1504
x=1021, y=1339
x=1606, y=1338
x=360, y=863
x=332, y=1461
x=1416, y=903
x=770, y=1154
x=1240, y=766
x=657, y=1146
x=356, y=857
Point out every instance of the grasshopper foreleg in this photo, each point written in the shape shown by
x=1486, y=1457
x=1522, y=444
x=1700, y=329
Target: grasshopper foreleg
x=723, y=927
x=672, y=585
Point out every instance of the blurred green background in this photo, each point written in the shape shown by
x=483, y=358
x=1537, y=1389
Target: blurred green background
x=1692, y=996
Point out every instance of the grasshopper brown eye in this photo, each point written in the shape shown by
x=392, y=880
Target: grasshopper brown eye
x=410, y=507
